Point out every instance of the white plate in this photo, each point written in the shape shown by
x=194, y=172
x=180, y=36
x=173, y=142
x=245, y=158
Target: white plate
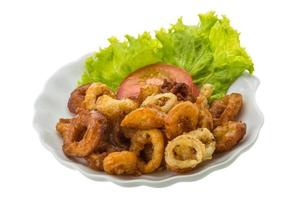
x=51, y=105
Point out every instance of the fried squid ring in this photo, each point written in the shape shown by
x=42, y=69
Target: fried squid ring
x=76, y=98
x=140, y=140
x=228, y=135
x=181, y=118
x=94, y=91
x=85, y=135
x=163, y=102
x=144, y=118
x=121, y=163
x=226, y=109
x=183, y=153
x=207, y=138
x=113, y=108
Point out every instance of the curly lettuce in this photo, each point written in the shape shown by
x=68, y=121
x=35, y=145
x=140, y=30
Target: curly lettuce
x=210, y=52
x=113, y=63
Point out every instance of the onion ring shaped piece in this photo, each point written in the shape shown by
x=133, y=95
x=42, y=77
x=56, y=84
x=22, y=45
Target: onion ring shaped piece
x=184, y=153
x=207, y=138
x=85, y=135
x=94, y=91
x=181, y=118
x=146, y=137
x=163, y=102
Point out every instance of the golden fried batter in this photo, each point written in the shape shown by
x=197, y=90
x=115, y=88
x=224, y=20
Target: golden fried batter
x=226, y=109
x=183, y=153
x=140, y=140
x=95, y=161
x=146, y=91
x=94, y=91
x=85, y=135
x=63, y=126
x=205, y=119
x=163, y=102
x=207, y=138
x=181, y=118
x=121, y=163
x=105, y=128
x=205, y=92
x=228, y=135
x=113, y=108
x=143, y=118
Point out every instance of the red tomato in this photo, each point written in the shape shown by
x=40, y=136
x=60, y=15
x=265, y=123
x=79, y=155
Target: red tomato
x=154, y=74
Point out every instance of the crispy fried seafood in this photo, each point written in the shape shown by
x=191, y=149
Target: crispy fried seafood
x=205, y=119
x=144, y=118
x=64, y=125
x=228, y=135
x=150, y=141
x=207, y=138
x=117, y=137
x=226, y=109
x=146, y=91
x=121, y=138
x=81, y=138
x=94, y=91
x=121, y=163
x=164, y=102
x=181, y=118
x=76, y=98
x=95, y=160
x=205, y=93
x=184, y=153
x=112, y=107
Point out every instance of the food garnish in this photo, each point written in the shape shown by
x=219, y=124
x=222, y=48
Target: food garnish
x=209, y=51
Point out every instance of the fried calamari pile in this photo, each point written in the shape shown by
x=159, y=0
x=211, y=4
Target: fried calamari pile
x=165, y=127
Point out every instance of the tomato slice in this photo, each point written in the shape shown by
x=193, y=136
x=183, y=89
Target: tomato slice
x=154, y=74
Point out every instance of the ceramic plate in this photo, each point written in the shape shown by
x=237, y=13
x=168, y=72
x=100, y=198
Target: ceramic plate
x=51, y=105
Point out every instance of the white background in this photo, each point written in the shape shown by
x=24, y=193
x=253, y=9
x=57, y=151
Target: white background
x=38, y=37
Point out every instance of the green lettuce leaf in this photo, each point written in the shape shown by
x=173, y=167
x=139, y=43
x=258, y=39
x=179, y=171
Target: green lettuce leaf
x=210, y=52
x=112, y=64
